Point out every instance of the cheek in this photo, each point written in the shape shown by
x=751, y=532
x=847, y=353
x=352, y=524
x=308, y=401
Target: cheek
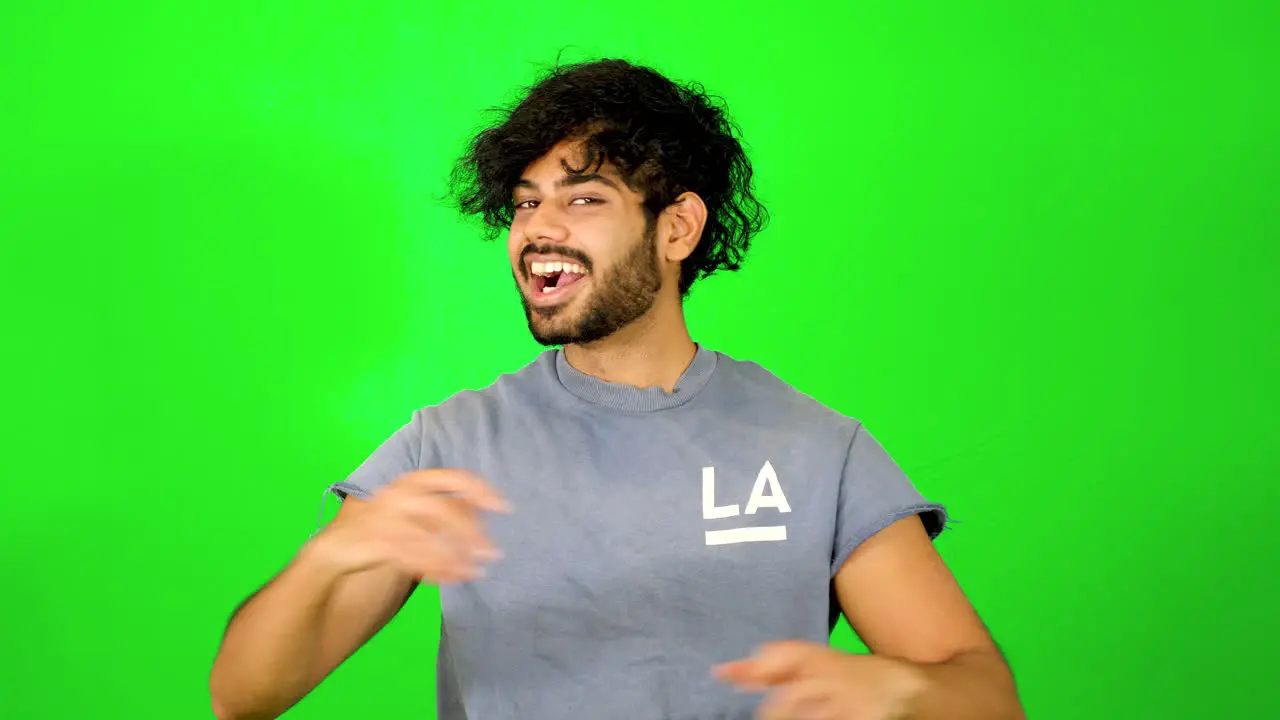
x=514, y=244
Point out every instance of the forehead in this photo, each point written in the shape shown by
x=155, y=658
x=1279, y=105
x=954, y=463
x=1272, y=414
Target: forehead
x=549, y=170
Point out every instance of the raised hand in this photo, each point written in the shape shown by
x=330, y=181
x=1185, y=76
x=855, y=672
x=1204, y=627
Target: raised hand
x=426, y=523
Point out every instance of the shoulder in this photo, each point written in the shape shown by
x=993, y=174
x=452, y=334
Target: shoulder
x=473, y=405
x=750, y=387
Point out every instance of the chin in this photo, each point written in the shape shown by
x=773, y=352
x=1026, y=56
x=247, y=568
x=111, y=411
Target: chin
x=553, y=339
x=551, y=326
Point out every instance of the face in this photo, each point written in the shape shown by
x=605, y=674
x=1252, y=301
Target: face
x=583, y=255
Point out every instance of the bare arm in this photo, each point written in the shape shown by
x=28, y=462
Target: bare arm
x=903, y=601
x=346, y=584
x=295, y=631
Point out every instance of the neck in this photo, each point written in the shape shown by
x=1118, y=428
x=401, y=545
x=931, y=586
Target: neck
x=655, y=350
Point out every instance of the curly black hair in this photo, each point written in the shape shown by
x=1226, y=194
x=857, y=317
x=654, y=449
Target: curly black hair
x=664, y=139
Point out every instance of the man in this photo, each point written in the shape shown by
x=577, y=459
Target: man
x=633, y=526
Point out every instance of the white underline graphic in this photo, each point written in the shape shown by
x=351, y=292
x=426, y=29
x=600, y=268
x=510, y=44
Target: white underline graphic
x=747, y=534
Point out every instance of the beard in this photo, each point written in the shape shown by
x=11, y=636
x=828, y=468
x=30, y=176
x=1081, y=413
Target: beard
x=621, y=295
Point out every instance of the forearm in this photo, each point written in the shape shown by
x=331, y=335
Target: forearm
x=975, y=685
x=265, y=662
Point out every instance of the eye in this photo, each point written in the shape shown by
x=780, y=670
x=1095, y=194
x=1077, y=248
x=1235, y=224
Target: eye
x=526, y=204
x=586, y=201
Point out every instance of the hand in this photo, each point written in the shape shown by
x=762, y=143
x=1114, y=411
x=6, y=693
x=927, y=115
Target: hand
x=806, y=681
x=425, y=523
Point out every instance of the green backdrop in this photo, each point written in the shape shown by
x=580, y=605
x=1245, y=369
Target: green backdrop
x=1032, y=245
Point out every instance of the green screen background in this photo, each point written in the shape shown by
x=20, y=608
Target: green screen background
x=1032, y=245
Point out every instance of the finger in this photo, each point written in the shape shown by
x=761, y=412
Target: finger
x=434, y=560
x=453, y=519
x=804, y=699
x=737, y=672
x=461, y=484
x=776, y=663
x=732, y=668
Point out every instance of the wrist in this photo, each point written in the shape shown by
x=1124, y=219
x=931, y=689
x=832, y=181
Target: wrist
x=324, y=561
x=912, y=683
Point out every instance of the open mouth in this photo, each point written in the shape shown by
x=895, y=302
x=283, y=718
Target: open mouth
x=552, y=277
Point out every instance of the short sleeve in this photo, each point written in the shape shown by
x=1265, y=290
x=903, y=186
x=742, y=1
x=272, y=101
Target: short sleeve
x=875, y=493
x=397, y=455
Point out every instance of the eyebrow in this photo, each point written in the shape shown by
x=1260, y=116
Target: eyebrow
x=570, y=181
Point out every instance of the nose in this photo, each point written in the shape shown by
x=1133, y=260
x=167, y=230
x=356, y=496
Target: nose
x=545, y=225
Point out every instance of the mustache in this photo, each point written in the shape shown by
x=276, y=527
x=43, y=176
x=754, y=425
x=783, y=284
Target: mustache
x=570, y=253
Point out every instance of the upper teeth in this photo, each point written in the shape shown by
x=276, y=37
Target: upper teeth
x=547, y=268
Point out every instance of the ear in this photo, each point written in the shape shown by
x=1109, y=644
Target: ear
x=683, y=221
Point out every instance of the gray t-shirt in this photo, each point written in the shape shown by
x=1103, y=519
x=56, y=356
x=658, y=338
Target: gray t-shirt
x=654, y=535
